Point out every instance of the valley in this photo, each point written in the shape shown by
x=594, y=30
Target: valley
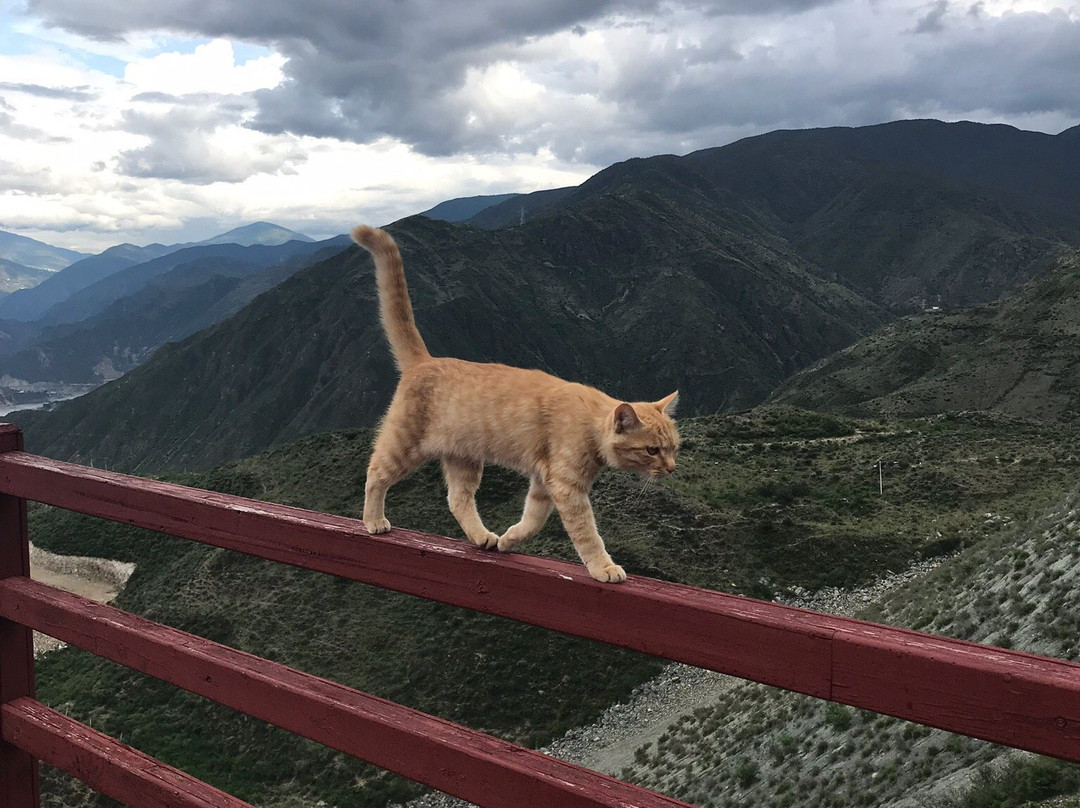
x=19, y=394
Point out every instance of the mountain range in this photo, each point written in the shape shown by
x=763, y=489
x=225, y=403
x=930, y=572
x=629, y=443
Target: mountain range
x=101, y=316
x=32, y=303
x=35, y=254
x=26, y=262
x=603, y=294
x=890, y=271
x=120, y=322
x=722, y=273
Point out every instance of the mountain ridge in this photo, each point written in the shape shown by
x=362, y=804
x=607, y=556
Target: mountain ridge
x=36, y=254
x=325, y=365
x=721, y=273
x=1013, y=356
x=170, y=306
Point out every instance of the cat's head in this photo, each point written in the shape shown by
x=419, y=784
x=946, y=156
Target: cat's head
x=642, y=437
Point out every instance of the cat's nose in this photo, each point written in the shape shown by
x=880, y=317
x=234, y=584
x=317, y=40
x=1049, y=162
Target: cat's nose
x=669, y=464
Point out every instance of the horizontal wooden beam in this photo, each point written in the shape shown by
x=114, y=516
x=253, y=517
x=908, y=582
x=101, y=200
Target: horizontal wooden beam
x=1008, y=697
x=468, y=764
x=708, y=629
x=103, y=763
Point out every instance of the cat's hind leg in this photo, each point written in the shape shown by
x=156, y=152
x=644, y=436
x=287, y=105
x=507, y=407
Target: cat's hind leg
x=391, y=461
x=538, y=507
x=462, y=481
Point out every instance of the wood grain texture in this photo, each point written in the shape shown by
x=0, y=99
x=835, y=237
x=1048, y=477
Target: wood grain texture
x=19, y=786
x=104, y=764
x=477, y=767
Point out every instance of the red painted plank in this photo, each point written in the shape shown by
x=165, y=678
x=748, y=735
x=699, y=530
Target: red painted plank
x=779, y=646
x=1007, y=697
x=937, y=681
x=104, y=764
x=18, y=770
x=468, y=764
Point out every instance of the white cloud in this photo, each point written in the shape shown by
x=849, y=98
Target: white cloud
x=282, y=112
x=211, y=68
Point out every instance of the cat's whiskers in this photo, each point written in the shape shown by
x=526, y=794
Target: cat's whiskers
x=641, y=491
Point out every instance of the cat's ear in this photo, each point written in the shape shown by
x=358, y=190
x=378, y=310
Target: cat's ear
x=667, y=404
x=625, y=419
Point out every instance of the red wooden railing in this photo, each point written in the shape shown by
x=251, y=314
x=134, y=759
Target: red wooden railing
x=1008, y=697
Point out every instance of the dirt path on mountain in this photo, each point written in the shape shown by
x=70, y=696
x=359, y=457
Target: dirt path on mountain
x=608, y=745
x=99, y=579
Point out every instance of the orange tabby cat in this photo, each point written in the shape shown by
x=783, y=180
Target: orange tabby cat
x=558, y=433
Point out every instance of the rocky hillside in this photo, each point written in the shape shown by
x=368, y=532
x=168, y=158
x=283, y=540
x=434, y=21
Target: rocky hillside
x=1018, y=355
x=755, y=745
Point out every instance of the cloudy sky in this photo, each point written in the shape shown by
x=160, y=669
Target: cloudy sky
x=177, y=119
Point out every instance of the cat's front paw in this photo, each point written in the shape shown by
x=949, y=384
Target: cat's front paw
x=608, y=573
x=377, y=525
x=509, y=540
x=486, y=540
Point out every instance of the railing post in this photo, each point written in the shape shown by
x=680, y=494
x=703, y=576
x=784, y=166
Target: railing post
x=19, y=787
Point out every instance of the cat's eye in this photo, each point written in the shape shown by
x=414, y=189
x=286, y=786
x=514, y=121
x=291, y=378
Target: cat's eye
x=653, y=450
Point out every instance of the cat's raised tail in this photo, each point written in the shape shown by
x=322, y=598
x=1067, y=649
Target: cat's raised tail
x=394, y=307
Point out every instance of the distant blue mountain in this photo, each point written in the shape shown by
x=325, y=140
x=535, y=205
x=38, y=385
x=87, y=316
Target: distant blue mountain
x=26, y=305
x=15, y=276
x=249, y=235
x=98, y=296
x=203, y=286
x=35, y=254
x=29, y=304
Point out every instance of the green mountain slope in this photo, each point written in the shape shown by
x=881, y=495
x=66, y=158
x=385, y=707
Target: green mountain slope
x=902, y=213
x=1018, y=355
x=630, y=292
x=762, y=502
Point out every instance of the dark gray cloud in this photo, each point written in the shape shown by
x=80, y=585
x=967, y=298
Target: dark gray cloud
x=933, y=21
x=664, y=76
x=183, y=146
x=83, y=93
